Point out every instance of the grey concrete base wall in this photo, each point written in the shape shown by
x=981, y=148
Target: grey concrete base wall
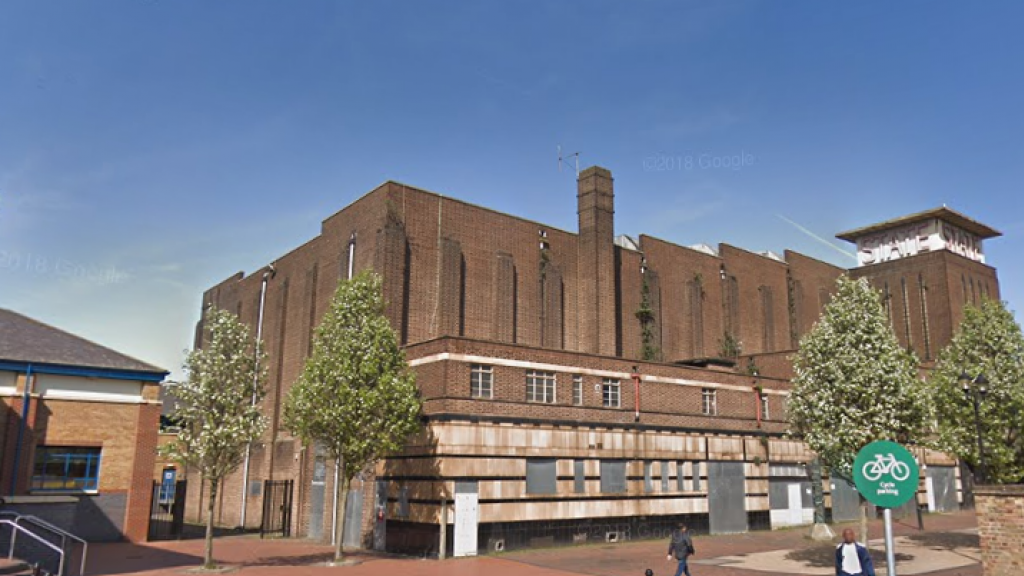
x=96, y=518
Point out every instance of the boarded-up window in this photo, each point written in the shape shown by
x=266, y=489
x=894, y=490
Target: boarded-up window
x=579, y=479
x=613, y=477
x=403, y=502
x=540, y=476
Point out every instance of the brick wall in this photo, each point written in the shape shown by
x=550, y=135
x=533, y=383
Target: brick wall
x=670, y=395
x=926, y=295
x=1000, y=528
x=453, y=269
x=810, y=288
x=691, y=299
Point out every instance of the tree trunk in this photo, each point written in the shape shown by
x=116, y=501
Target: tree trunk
x=341, y=504
x=864, y=521
x=817, y=492
x=210, y=506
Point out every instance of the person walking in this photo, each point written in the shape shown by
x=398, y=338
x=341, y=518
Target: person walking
x=680, y=547
x=852, y=558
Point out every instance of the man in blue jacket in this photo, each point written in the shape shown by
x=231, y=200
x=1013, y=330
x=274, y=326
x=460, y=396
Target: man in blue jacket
x=852, y=559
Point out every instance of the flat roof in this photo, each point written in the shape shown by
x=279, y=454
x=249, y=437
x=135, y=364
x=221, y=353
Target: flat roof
x=946, y=214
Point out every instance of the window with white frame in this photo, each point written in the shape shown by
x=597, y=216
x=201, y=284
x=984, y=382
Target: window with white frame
x=540, y=387
x=611, y=394
x=577, y=390
x=765, y=414
x=709, y=401
x=481, y=381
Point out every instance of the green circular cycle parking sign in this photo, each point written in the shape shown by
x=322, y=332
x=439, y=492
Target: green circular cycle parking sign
x=886, y=474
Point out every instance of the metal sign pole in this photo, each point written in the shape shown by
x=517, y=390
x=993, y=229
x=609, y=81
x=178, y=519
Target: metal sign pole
x=890, y=544
x=888, y=476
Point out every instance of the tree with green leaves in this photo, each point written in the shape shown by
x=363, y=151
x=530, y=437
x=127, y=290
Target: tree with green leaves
x=218, y=406
x=987, y=343
x=854, y=383
x=356, y=396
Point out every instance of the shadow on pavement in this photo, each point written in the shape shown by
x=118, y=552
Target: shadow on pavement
x=945, y=540
x=824, y=556
x=123, y=558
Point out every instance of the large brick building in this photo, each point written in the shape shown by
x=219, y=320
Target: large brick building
x=544, y=423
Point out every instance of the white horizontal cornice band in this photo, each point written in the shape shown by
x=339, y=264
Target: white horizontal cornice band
x=474, y=359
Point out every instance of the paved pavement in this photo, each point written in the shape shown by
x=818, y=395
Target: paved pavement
x=948, y=547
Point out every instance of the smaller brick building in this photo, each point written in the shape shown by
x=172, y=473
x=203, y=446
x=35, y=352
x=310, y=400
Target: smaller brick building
x=78, y=430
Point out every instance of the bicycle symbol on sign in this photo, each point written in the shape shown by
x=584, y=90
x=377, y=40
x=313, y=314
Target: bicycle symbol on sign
x=885, y=464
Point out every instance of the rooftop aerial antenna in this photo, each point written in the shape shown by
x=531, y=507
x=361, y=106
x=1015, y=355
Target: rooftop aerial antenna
x=561, y=159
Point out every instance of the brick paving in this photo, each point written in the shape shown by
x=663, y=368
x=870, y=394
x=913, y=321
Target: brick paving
x=633, y=558
x=254, y=557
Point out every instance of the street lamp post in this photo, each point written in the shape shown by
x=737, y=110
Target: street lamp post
x=975, y=390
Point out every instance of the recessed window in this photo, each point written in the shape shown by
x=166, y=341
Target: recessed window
x=70, y=469
x=709, y=401
x=696, y=475
x=611, y=396
x=540, y=387
x=577, y=390
x=481, y=381
x=765, y=414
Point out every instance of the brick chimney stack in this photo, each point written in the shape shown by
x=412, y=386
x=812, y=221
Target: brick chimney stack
x=596, y=287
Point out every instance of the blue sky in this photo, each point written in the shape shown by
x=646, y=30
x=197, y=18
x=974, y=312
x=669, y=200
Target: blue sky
x=151, y=148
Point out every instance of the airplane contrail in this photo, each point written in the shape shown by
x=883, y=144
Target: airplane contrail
x=818, y=238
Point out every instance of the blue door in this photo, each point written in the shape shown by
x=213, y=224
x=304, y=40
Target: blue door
x=167, y=486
